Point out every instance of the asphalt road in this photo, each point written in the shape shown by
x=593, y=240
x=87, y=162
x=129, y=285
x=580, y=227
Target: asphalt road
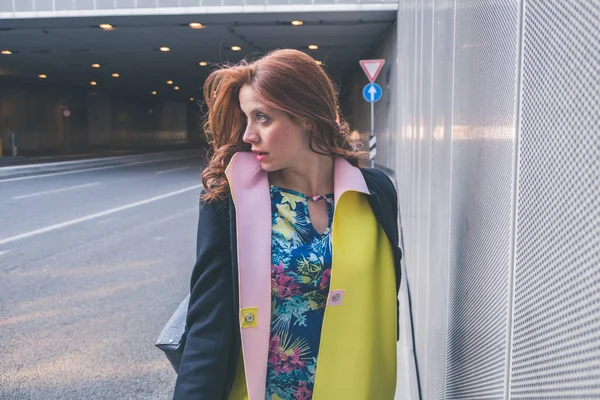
x=92, y=265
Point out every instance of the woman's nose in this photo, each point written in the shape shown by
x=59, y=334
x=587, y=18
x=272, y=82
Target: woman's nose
x=250, y=136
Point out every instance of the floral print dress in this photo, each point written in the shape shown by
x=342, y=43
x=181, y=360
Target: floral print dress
x=301, y=268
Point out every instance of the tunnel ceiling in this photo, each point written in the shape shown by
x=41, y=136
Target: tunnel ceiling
x=64, y=49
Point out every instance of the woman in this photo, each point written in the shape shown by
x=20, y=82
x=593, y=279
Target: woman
x=293, y=295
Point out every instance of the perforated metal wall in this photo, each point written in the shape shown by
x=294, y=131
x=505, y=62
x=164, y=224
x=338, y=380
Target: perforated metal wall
x=496, y=150
x=481, y=204
x=556, y=328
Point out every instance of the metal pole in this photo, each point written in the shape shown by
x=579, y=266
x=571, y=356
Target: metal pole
x=372, y=133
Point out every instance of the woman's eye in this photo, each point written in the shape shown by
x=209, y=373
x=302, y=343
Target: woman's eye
x=261, y=117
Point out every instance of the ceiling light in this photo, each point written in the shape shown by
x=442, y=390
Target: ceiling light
x=191, y=99
x=42, y=76
x=154, y=92
x=313, y=46
x=169, y=82
x=203, y=63
x=176, y=88
x=106, y=27
x=93, y=83
x=297, y=23
x=196, y=25
x=115, y=75
x=319, y=62
x=236, y=48
x=165, y=49
x=6, y=52
x=95, y=65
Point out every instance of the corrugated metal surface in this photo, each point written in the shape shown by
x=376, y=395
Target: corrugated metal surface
x=481, y=204
x=518, y=295
x=496, y=150
x=65, y=5
x=434, y=373
x=421, y=158
x=556, y=329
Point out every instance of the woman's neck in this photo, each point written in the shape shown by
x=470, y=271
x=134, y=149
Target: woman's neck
x=313, y=178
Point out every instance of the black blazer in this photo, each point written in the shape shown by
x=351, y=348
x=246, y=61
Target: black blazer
x=212, y=344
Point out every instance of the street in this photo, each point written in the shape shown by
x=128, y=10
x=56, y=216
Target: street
x=92, y=264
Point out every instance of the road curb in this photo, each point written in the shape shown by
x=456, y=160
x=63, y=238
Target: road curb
x=49, y=167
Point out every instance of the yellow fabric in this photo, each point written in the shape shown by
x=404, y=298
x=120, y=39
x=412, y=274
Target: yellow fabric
x=357, y=354
x=239, y=390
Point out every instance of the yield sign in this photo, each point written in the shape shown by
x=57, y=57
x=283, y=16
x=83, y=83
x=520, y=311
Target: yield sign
x=372, y=68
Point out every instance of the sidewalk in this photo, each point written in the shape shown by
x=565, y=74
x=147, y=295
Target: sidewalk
x=22, y=166
x=94, y=153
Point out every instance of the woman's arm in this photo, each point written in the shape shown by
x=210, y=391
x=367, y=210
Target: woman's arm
x=206, y=354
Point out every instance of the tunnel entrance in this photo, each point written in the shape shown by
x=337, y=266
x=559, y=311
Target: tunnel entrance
x=70, y=84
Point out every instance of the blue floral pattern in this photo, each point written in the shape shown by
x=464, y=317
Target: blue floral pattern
x=301, y=269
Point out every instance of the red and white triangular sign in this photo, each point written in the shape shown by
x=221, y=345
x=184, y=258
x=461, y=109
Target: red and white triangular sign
x=372, y=68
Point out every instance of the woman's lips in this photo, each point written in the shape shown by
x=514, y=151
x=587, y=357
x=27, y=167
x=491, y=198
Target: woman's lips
x=261, y=156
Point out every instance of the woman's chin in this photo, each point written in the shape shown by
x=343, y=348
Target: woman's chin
x=267, y=167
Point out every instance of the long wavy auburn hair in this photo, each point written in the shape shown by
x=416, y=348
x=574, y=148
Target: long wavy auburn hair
x=288, y=80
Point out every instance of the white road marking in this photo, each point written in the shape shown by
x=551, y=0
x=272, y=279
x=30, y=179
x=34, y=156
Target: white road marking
x=97, y=215
x=171, y=170
x=21, y=178
x=55, y=191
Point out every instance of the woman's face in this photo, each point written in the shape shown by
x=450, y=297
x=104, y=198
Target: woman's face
x=276, y=140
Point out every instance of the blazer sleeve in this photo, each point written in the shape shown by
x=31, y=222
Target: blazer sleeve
x=390, y=197
x=209, y=323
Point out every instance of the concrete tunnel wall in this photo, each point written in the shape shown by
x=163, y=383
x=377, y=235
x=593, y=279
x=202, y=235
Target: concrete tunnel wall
x=98, y=119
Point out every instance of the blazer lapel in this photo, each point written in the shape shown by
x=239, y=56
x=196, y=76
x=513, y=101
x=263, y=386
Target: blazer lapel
x=347, y=178
x=251, y=195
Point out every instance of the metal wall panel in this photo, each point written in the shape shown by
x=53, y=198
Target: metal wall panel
x=419, y=153
x=105, y=4
x=23, y=5
x=125, y=3
x=484, y=120
x=169, y=3
x=48, y=5
x=146, y=3
x=85, y=5
x=406, y=165
x=190, y=3
x=454, y=163
x=434, y=372
x=6, y=5
x=59, y=5
x=556, y=328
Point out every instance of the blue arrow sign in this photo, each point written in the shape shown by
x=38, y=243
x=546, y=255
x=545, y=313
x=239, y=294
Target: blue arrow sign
x=372, y=92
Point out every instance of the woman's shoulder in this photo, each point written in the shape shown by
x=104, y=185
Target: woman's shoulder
x=378, y=181
x=218, y=206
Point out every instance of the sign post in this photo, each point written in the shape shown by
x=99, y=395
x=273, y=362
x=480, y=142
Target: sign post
x=372, y=93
